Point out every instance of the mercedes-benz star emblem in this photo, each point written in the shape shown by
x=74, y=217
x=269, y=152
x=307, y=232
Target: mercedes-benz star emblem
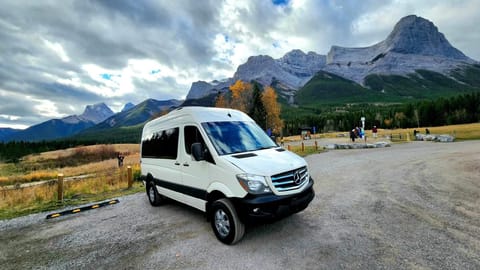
x=297, y=178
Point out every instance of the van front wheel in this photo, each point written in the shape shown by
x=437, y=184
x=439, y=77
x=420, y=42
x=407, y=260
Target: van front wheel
x=154, y=198
x=226, y=224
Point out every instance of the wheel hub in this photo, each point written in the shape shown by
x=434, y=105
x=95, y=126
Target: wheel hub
x=222, y=223
x=151, y=194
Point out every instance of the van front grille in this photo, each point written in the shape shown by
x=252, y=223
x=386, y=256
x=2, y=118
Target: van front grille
x=290, y=180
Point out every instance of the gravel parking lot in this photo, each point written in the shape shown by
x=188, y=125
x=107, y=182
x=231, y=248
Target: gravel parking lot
x=410, y=206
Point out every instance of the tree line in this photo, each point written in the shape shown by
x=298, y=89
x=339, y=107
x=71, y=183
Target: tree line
x=460, y=109
x=14, y=150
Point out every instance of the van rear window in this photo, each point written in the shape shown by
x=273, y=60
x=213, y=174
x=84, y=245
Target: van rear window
x=161, y=144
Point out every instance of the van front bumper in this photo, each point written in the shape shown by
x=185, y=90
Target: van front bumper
x=258, y=208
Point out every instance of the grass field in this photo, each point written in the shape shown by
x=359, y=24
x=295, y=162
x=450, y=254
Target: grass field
x=461, y=132
x=107, y=180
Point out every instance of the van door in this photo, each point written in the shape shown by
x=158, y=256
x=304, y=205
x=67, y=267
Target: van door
x=195, y=174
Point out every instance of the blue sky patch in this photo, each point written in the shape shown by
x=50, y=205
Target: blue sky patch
x=106, y=76
x=280, y=2
x=155, y=71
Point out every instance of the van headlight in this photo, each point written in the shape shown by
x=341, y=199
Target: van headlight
x=254, y=184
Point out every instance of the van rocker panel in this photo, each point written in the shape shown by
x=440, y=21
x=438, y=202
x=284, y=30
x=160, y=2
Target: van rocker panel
x=194, y=192
x=253, y=208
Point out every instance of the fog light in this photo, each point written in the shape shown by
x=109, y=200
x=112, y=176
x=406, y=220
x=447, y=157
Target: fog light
x=256, y=210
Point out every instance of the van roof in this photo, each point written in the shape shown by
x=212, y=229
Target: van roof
x=202, y=114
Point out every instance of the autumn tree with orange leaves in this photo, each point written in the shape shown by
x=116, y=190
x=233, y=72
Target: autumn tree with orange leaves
x=262, y=107
x=272, y=108
x=241, y=96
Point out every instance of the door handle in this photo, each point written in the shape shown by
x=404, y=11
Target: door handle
x=177, y=163
x=185, y=164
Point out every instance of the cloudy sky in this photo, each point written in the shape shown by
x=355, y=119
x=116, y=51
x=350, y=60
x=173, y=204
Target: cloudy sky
x=56, y=57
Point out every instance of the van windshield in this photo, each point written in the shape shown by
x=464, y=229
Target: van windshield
x=237, y=137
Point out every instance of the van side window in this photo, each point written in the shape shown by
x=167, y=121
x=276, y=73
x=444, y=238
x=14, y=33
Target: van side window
x=192, y=135
x=161, y=144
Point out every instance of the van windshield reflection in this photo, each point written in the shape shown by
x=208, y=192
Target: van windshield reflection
x=237, y=137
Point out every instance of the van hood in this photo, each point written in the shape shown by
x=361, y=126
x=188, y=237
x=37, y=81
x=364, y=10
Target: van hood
x=266, y=162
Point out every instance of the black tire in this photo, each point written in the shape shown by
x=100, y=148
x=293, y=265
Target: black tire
x=154, y=198
x=226, y=224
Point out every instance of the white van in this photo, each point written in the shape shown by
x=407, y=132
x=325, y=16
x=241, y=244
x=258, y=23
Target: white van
x=222, y=163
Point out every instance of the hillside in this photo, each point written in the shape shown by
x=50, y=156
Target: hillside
x=327, y=88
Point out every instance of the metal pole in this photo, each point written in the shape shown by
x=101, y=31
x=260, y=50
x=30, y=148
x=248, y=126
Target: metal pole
x=60, y=187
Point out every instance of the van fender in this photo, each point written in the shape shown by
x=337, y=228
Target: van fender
x=217, y=186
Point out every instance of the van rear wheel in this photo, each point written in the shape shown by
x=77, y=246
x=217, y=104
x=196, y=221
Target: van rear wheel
x=226, y=224
x=154, y=198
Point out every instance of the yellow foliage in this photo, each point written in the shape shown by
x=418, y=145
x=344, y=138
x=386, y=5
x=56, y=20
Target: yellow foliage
x=221, y=102
x=241, y=96
x=272, y=108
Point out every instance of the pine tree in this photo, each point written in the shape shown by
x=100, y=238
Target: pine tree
x=257, y=111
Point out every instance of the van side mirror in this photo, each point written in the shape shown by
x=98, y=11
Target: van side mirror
x=198, y=151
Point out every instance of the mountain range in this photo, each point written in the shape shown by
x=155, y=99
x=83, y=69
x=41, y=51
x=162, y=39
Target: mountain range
x=414, y=44
x=64, y=127
x=95, y=119
x=415, y=61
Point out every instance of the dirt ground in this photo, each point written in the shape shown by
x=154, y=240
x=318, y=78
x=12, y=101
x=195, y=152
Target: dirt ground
x=410, y=206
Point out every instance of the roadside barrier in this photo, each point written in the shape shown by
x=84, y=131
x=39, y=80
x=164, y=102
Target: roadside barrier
x=82, y=209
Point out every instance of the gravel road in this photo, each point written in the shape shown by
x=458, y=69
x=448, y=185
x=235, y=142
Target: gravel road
x=410, y=206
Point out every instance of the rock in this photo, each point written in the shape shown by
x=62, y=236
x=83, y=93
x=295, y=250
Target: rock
x=331, y=146
x=382, y=144
x=445, y=138
x=357, y=145
x=97, y=112
x=435, y=138
x=201, y=89
x=291, y=71
x=415, y=43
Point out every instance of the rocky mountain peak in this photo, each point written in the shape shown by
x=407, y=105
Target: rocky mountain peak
x=127, y=106
x=97, y=112
x=416, y=35
x=415, y=43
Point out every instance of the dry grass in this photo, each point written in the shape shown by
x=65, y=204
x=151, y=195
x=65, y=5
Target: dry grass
x=58, y=154
x=461, y=132
x=43, y=197
x=307, y=149
x=24, y=175
x=108, y=179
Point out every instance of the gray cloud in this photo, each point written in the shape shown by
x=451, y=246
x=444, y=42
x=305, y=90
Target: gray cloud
x=53, y=53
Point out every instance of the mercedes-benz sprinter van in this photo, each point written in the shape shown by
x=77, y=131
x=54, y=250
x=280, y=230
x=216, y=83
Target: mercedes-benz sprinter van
x=222, y=163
